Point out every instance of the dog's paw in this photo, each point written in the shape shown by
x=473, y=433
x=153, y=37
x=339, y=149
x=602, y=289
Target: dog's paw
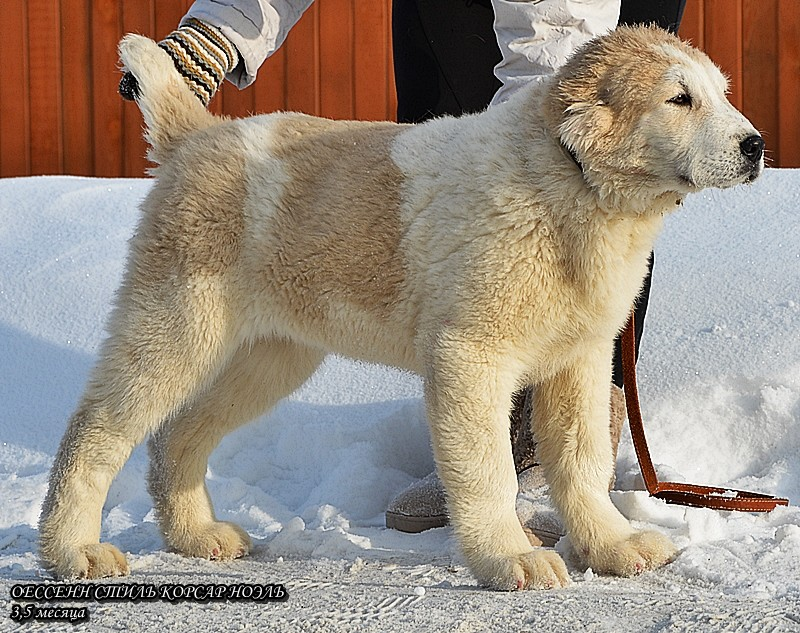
x=219, y=540
x=537, y=569
x=640, y=552
x=98, y=560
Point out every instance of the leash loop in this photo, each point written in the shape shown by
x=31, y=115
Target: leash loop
x=672, y=492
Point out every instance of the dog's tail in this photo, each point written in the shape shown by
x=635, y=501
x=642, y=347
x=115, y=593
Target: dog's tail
x=170, y=109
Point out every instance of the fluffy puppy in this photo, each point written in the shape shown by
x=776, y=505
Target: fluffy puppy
x=485, y=253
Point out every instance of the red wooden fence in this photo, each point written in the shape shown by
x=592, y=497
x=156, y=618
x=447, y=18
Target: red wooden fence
x=60, y=112
x=59, y=107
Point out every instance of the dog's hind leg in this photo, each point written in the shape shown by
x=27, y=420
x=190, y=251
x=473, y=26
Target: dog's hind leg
x=167, y=341
x=258, y=376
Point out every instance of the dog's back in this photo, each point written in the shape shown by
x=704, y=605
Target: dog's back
x=270, y=200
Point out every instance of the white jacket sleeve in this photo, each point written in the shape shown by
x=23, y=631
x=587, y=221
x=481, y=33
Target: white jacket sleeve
x=537, y=36
x=257, y=28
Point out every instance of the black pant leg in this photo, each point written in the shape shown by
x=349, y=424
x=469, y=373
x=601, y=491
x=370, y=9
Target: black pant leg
x=444, y=53
x=667, y=14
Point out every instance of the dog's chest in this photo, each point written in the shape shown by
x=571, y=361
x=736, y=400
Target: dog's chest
x=556, y=294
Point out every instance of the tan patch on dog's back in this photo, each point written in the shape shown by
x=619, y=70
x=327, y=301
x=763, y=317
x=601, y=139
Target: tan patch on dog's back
x=338, y=221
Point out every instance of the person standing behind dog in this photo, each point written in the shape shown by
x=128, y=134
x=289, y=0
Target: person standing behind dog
x=451, y=57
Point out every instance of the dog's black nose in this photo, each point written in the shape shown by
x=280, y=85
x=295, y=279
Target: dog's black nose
x=752, y=147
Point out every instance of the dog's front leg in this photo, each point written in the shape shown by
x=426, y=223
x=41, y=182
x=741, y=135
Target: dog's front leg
x=571, y=413
x=468, y=401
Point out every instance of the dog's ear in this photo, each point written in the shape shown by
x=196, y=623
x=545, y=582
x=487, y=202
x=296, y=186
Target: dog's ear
x=579, y=104
x=585, y=126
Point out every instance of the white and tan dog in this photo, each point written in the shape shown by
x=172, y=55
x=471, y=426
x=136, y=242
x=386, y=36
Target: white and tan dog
x=485, y=253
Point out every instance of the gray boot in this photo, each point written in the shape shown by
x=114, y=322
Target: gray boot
x=423, y=505
x=419, y=507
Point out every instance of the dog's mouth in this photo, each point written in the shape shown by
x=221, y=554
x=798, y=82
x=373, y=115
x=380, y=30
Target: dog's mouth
x=751, y=172
x=755, y=172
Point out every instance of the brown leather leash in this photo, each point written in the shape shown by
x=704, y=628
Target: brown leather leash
x=671, y=492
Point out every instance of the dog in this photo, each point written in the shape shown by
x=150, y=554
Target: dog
x=485, y=253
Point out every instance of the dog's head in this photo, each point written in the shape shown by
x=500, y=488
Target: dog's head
x=639, y=108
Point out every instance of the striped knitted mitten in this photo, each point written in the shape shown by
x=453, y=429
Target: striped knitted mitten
x=201, y=54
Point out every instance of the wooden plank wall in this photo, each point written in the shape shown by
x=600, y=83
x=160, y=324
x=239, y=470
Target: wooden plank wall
x=59, y=108
x=60, y=112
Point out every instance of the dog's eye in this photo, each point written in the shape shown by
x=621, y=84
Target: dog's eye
x=683, y=99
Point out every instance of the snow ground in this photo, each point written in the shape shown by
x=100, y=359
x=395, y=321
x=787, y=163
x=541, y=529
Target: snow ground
x=309, y=482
